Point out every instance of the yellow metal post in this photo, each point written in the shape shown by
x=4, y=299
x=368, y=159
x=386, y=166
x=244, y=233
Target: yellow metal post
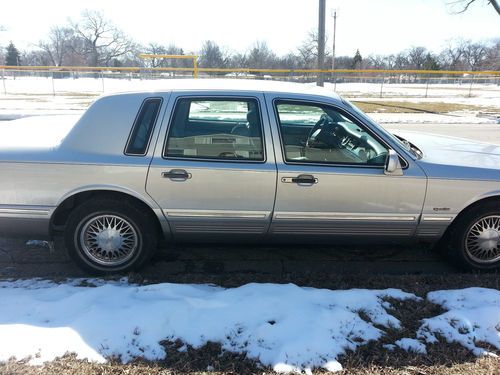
x=195, y=67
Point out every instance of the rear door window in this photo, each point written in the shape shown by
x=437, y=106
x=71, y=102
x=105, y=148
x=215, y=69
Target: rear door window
x=211, y=128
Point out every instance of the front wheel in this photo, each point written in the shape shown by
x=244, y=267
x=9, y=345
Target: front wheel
x=106, y=236
x=475, y=238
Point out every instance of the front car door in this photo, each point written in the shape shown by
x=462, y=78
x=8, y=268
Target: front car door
x=213, y=172
x=331, y=180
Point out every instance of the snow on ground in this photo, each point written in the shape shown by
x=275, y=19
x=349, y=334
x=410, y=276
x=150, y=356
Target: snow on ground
x=87, y=84
x=411, y=345
x=43, y=96
x=430, y=118
x=456, y=90
x=27, y=132
x=284, y=326
x=473, y=317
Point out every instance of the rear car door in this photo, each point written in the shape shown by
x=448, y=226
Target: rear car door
x=331, y=180
x=213, y=172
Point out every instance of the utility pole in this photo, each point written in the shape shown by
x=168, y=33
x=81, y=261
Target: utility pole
x=321, y=41
x=334, y=33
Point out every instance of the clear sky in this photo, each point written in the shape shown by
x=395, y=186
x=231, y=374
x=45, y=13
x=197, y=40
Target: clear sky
x=373, y=26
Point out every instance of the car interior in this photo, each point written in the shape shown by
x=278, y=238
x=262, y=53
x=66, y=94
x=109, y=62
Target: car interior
x=323, y=135
x=222, y=130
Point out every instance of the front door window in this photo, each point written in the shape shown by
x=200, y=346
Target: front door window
x=321, y=134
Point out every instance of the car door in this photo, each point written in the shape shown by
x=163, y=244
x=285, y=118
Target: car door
x=331, y=180
x=213, y=172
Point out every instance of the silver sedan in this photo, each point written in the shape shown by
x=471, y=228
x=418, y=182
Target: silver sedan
x=231, y=160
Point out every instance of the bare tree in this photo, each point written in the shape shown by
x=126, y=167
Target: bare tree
x=103, y=42
x=463, y=5
x=155, y=49
x=238, y=60
x=261, y=56
x=416, y=57
x=308, y=50
x=58, y=45
x=212, y=56
x=474, y=54
x=35, y=58
x=400, y=61
x=492, y=60
x=452, y=55
x=390, y=61
x=376, y=62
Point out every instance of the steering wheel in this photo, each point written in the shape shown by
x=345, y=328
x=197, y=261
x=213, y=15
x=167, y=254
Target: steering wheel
x=313, y=134
x=324, y=131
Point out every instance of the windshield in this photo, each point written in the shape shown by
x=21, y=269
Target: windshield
x=414, y=150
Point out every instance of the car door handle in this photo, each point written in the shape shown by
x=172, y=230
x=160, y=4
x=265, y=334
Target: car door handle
x=177, y=175
x=300, y=179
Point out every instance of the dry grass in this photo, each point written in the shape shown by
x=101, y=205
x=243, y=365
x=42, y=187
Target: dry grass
x=389, y=106
x=197, y=362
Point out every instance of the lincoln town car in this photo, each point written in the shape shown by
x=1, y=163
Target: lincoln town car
x=241, y=161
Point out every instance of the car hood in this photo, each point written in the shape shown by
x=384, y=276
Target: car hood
x=454, y=151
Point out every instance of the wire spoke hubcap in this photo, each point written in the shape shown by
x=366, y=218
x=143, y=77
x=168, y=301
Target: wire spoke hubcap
x=109, y=240
x=483, y=240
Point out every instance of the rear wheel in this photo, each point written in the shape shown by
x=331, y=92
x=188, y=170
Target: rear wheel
x=106, y=236
x=475, y=238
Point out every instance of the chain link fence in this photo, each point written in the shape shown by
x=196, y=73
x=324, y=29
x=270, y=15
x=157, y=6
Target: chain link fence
x=350, y=83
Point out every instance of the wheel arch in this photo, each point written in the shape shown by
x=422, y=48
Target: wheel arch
x=492, y=197
x=72, y=200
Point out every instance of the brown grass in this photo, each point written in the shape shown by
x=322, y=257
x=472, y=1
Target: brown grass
x=389, y=106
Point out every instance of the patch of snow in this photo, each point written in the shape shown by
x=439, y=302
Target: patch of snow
x=389, y=347
x=473, y=316
x=37, y=243
x=36, y=132
x=284, y=326
x=429, y=118
x=411, y=345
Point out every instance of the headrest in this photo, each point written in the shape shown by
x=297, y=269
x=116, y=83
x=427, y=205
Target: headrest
x=253, y=117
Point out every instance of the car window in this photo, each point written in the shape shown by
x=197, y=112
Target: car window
x=313, y=133
x=225, y=129
x=143, y=127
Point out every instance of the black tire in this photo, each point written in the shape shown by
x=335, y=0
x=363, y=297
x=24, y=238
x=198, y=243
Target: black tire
x=458, y=250
x=138, y=227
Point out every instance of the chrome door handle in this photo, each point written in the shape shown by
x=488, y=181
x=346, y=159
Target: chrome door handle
x=177, y=175
x=300, y=179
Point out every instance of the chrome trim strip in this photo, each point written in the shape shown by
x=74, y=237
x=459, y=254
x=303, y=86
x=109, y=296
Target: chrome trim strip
x=437, y=218
x=26, y=211
x=223, y=214
x=335, y=216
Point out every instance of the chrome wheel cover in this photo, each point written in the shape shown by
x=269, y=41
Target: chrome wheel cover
x=109, y=240
x=482, y=243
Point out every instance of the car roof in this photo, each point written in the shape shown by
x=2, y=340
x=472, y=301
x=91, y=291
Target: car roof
x=229, y=84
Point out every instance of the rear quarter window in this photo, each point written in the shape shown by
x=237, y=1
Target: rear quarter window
x=140, y=135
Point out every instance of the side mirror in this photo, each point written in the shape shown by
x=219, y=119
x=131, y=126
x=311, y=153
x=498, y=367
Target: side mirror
x=393, y=164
